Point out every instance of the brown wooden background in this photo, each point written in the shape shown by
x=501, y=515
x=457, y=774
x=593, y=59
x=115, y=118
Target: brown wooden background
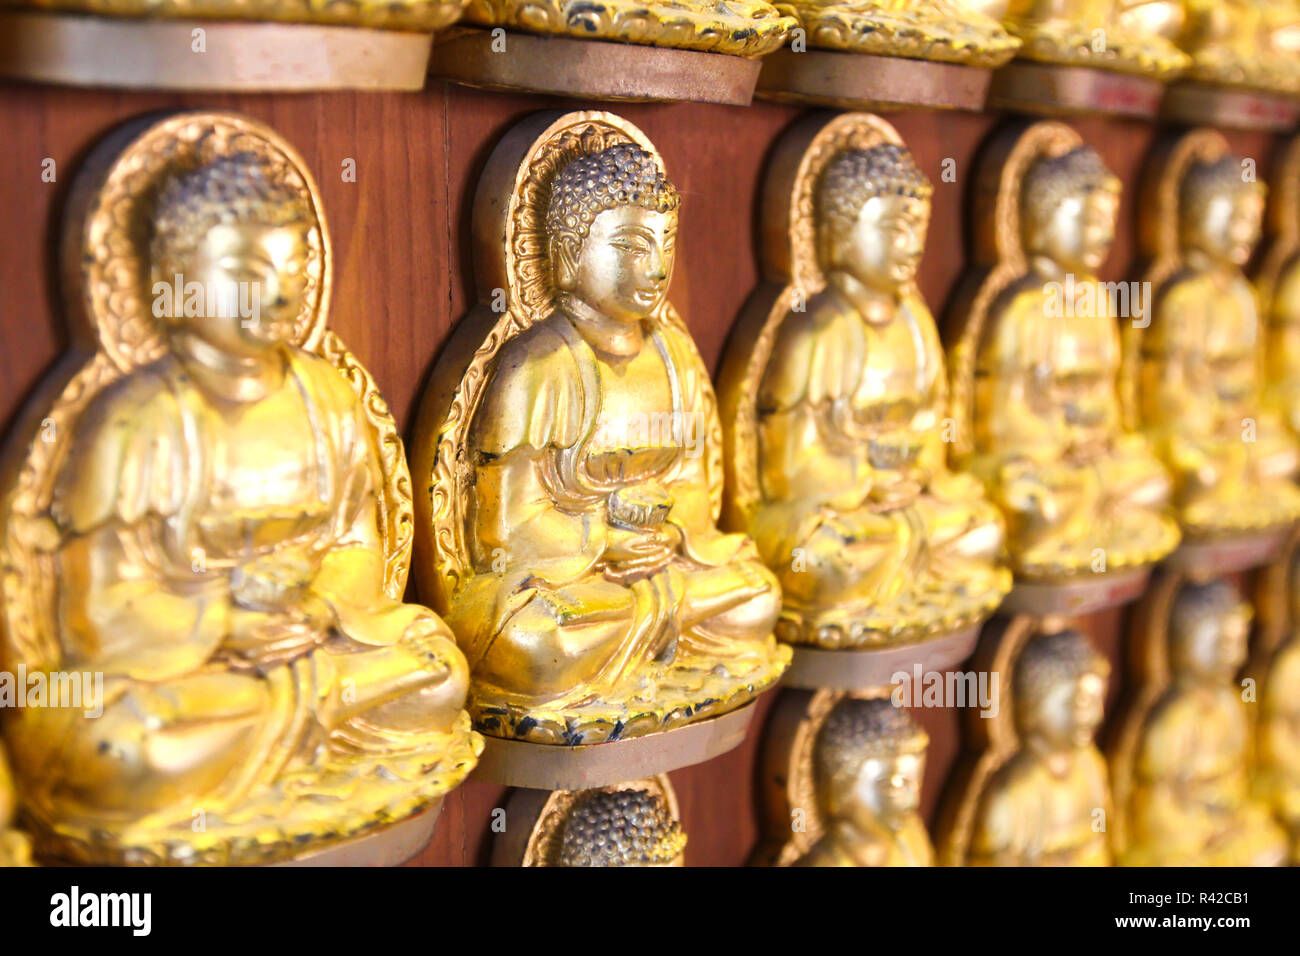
x=400, y=235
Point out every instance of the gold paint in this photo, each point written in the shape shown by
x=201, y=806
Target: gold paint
x=423, y=16
x=1035, y=792
x=629, y=824
x=213, y=511
x=1180, y=761
x=15, y=849
x=749, y=28
x=1120, y=35
x=1243, y=43
x=949, y=31
x=1035, y=369
x=835, y=402
x=1194, y=378
x=572, y=452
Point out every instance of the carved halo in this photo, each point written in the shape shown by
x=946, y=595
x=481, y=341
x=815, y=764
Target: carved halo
x=1158, y=234
x=105, y=261
x=511, y=259
x=789, y=256
x=999, y=255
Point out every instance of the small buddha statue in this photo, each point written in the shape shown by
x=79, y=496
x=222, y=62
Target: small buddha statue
x=216, y=555
x=628, y=827
x=1277, y=742
x=951, y=31
x=601, y=601
x=868, y=762
x=1107, y=34
x=874, y=539
x=1046, y=805
x=1048, y=440
x=14, y=847
x=1199, y=373
x=1190, y=803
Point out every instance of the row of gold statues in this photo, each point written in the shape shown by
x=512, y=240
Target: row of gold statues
x=1227, y=44
x=209, y=507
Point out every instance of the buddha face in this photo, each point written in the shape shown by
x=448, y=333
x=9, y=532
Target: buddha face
x=1228, y=227
x=883, y=249
x=887, y=787
x=625, y=264
x=1069, y=714
x=1078, y=233
x=1215, y=645
x=251, y=280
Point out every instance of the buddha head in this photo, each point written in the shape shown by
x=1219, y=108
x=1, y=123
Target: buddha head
x=1060, y=691
x=621, y=828
x=228, y=255
x=611, y=226
x=868, y=762
x=872, y=213
x=1220, y=211
x=1209, y=626
x=1068, y=206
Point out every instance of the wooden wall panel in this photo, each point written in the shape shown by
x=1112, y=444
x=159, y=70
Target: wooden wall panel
x=402, y=278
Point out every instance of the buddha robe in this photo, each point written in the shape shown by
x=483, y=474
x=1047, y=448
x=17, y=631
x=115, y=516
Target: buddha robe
x=1278, y=755
x=221, y=565
x=1191, y=804
x=1048, y=440
x=1031, y=815
x=593, y=538
x=859, y=509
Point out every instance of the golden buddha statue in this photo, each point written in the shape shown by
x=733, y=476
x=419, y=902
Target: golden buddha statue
x=949, y=31
x=1277, y=740
x=215, y=515
x=868, y=760
x=574, y=466
x=1036, y=370
x=1243, y=43
x=1195, y=376
x=1185, y=799
x=1118, y=35
x=836, y=410
x=14, y=847
x=1042, y=807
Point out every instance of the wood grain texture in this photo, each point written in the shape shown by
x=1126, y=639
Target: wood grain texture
x=400, y=235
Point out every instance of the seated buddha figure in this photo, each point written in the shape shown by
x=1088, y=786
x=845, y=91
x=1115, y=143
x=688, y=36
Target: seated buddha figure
x=219, y=560
x=1048, y=440
x=875, y=541
x=1190, y=803
x=1250, y=43
x=1046, y=805
x=625, y=827
x=868, y=762
x=1277, y=742
x=601, y=582
x=1199, y=374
